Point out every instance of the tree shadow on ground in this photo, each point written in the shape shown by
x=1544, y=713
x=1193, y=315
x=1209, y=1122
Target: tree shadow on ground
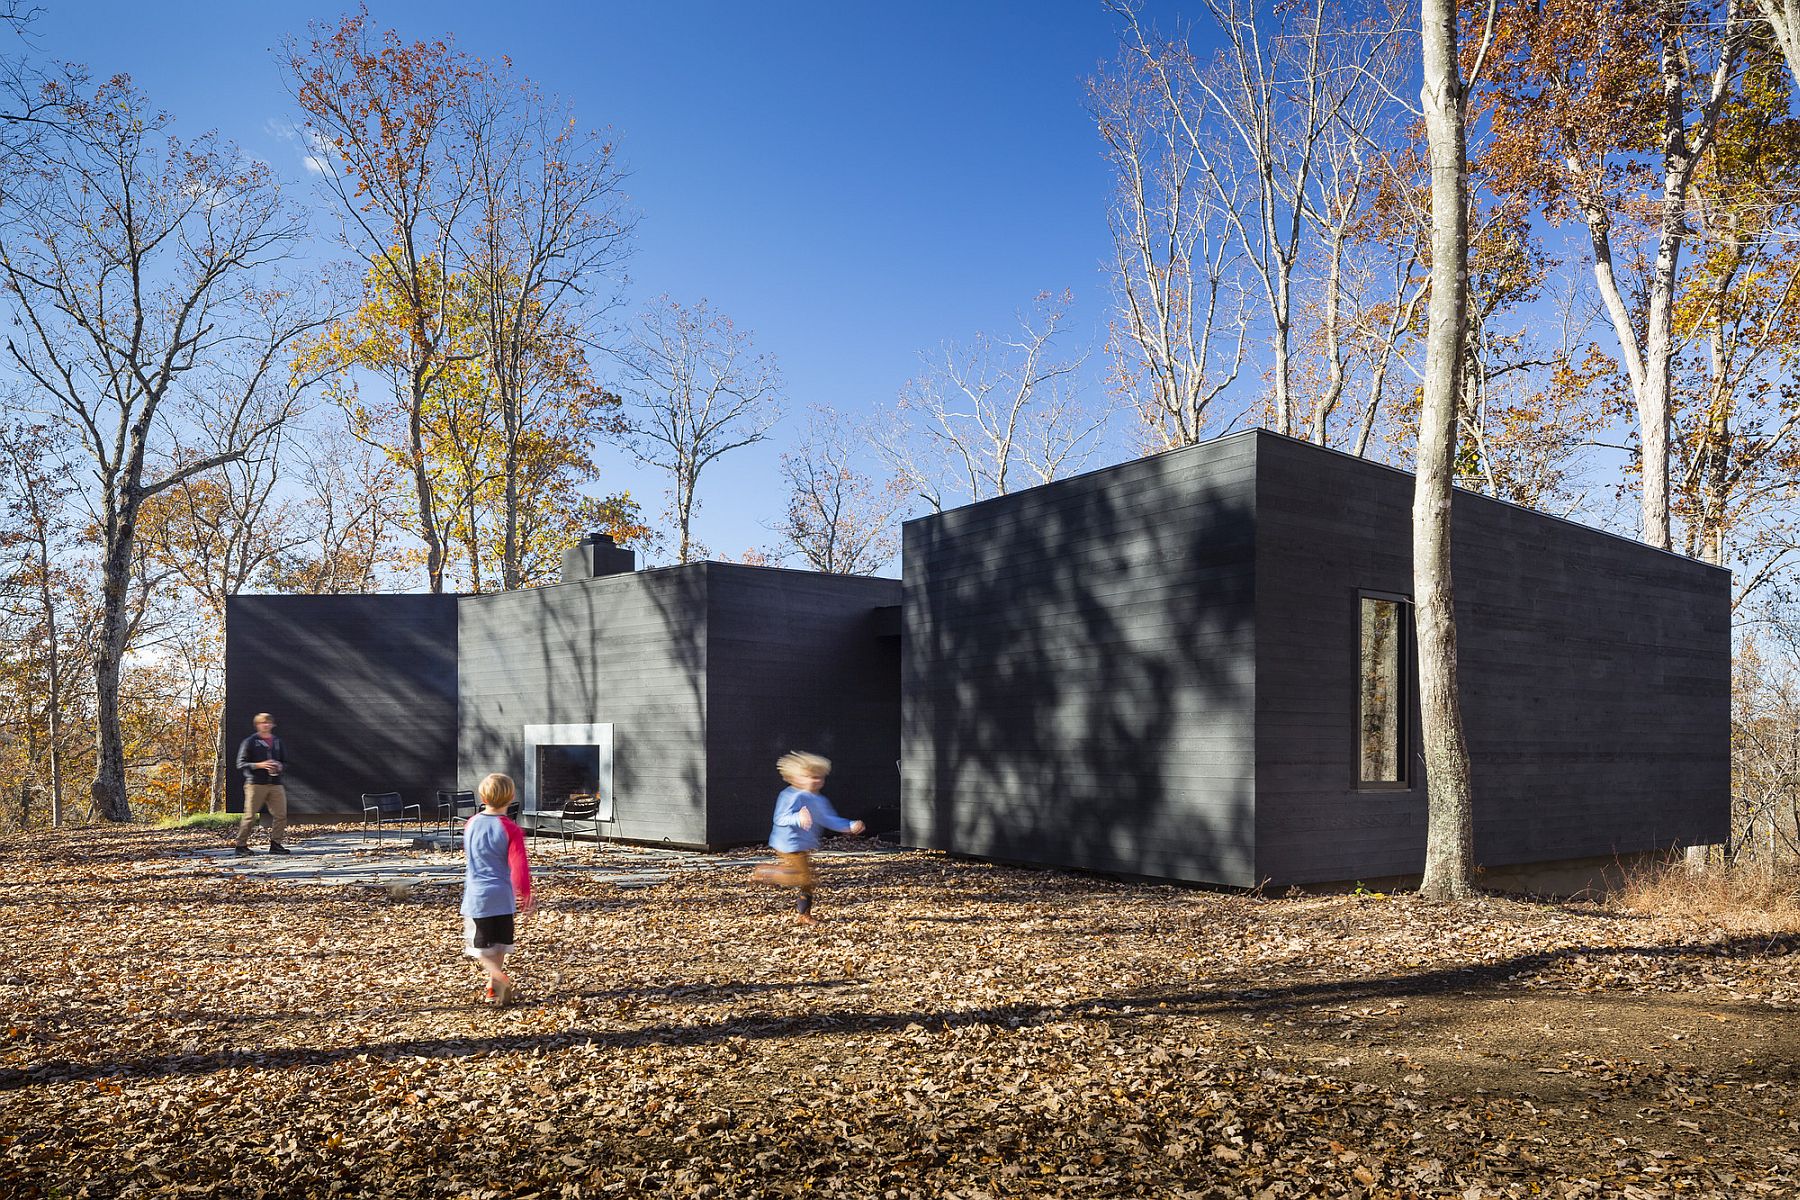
x=1130, y=1006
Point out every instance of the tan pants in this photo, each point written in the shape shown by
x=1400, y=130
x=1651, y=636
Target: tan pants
x=792, y=869
x=255, y=796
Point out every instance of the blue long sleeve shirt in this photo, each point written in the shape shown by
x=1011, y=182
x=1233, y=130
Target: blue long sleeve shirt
x=787, y=836
x=497, y=878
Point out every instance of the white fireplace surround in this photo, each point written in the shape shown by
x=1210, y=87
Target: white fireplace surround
x=566, y=735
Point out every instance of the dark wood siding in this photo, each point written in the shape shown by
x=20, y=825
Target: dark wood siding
x=1595, y=678
x=362, y=688
x=629, y=650
x=797, y=663
x=1078, y=671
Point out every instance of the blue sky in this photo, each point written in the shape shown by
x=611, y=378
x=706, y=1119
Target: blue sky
x=853, y=182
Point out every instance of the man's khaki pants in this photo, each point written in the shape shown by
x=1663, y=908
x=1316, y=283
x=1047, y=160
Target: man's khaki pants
x=256, y=795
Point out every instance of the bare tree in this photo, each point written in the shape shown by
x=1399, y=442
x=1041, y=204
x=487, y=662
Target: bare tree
x=1384, y=285
x=1179, y=324
x=700, y=391
x=27, y=107
x=1607, y=113
x=1352, y=165
x=546, y=253
x=1651, y=368
x=1736, y=438
x=218, y=533
x=1765, y=744
x=838, y=519
x=994, y=415
x=342, y=534
x=1277, y=93
x=1532, y=403
x=1450, y=823
x=138, y=267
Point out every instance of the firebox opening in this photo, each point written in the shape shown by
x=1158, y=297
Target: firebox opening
x=564, y=771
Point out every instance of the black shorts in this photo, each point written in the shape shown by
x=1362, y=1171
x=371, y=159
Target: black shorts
x=488, y=932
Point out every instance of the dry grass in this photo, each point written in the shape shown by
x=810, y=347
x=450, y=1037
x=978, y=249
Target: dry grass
x=1740, y=897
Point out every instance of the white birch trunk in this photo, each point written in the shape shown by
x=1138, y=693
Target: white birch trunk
x=1450, y=830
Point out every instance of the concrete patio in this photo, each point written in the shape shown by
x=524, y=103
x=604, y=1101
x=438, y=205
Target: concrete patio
x=413, y=860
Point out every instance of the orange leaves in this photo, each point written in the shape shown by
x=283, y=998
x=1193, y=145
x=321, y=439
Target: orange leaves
x=385, y=106
x=1571, y=91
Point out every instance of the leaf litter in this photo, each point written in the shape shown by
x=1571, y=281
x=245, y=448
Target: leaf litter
x=955, y=1029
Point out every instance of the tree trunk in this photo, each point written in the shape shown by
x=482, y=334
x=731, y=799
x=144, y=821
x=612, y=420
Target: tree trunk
x=1283, y=372
x=684, y=509
x=512, y=570
x=1784, y=22
x=56, y=687
x=434, y=547
x=1450, y=828
x=221, y=759
x=109, y=649
x=1334, y=358
x=1659, y=353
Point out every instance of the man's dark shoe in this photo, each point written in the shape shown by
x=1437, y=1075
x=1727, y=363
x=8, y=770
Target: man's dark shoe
x=241, y=851
x=278, y=848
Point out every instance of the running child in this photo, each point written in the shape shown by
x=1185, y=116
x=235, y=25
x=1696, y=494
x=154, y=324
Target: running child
x=799, y=812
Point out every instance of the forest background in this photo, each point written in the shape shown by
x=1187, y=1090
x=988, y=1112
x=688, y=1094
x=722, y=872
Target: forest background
x=416, y=338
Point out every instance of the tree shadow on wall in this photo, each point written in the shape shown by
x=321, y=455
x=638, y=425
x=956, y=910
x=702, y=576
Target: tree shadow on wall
x=587, y=655
x=1079, y=673
x=363, y=690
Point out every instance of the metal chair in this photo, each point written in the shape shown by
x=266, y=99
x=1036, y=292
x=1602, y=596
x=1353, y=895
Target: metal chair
x=387, y=806
x=578, y=810
x=452, y=807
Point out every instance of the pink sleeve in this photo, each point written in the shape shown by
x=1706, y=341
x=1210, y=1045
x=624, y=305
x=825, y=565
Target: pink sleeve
x=515, y=858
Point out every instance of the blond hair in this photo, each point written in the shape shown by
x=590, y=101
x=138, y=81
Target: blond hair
x=259, y=718
x=496, y=791
x=795, y=763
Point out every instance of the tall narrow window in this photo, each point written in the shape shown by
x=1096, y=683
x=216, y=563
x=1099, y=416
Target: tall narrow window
x=1381, y=686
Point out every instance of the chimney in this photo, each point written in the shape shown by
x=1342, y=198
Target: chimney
x=594, y=556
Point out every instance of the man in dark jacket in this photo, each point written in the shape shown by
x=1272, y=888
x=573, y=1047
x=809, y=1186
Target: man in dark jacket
x=262, y=758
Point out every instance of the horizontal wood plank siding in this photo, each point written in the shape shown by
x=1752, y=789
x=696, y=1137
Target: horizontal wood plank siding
x=629, y=650
x=362, y=689
x=1595, y=677
x=1078, y=671
x=797, y=663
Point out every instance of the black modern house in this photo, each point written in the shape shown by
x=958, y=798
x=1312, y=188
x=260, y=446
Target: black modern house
x=1196, y=666
x=1199, y=666
x=670, y=691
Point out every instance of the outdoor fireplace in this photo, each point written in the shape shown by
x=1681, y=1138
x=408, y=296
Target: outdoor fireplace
x=566, y=760
x=564, y=771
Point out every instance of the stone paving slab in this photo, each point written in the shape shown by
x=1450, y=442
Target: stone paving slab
x=350, y=860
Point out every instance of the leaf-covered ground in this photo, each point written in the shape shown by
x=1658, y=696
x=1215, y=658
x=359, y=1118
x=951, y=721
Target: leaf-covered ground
x=953, y=1030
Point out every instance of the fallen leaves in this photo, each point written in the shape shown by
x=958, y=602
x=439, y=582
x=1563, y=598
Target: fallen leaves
x=954, y=1029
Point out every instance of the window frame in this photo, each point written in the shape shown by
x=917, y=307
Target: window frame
x=1409, y=693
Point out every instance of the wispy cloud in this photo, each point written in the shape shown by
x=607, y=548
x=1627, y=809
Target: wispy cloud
x=315, y=152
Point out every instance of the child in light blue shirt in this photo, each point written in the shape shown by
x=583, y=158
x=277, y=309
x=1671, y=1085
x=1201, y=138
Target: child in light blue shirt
x=800, y=812
x=496, y=885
